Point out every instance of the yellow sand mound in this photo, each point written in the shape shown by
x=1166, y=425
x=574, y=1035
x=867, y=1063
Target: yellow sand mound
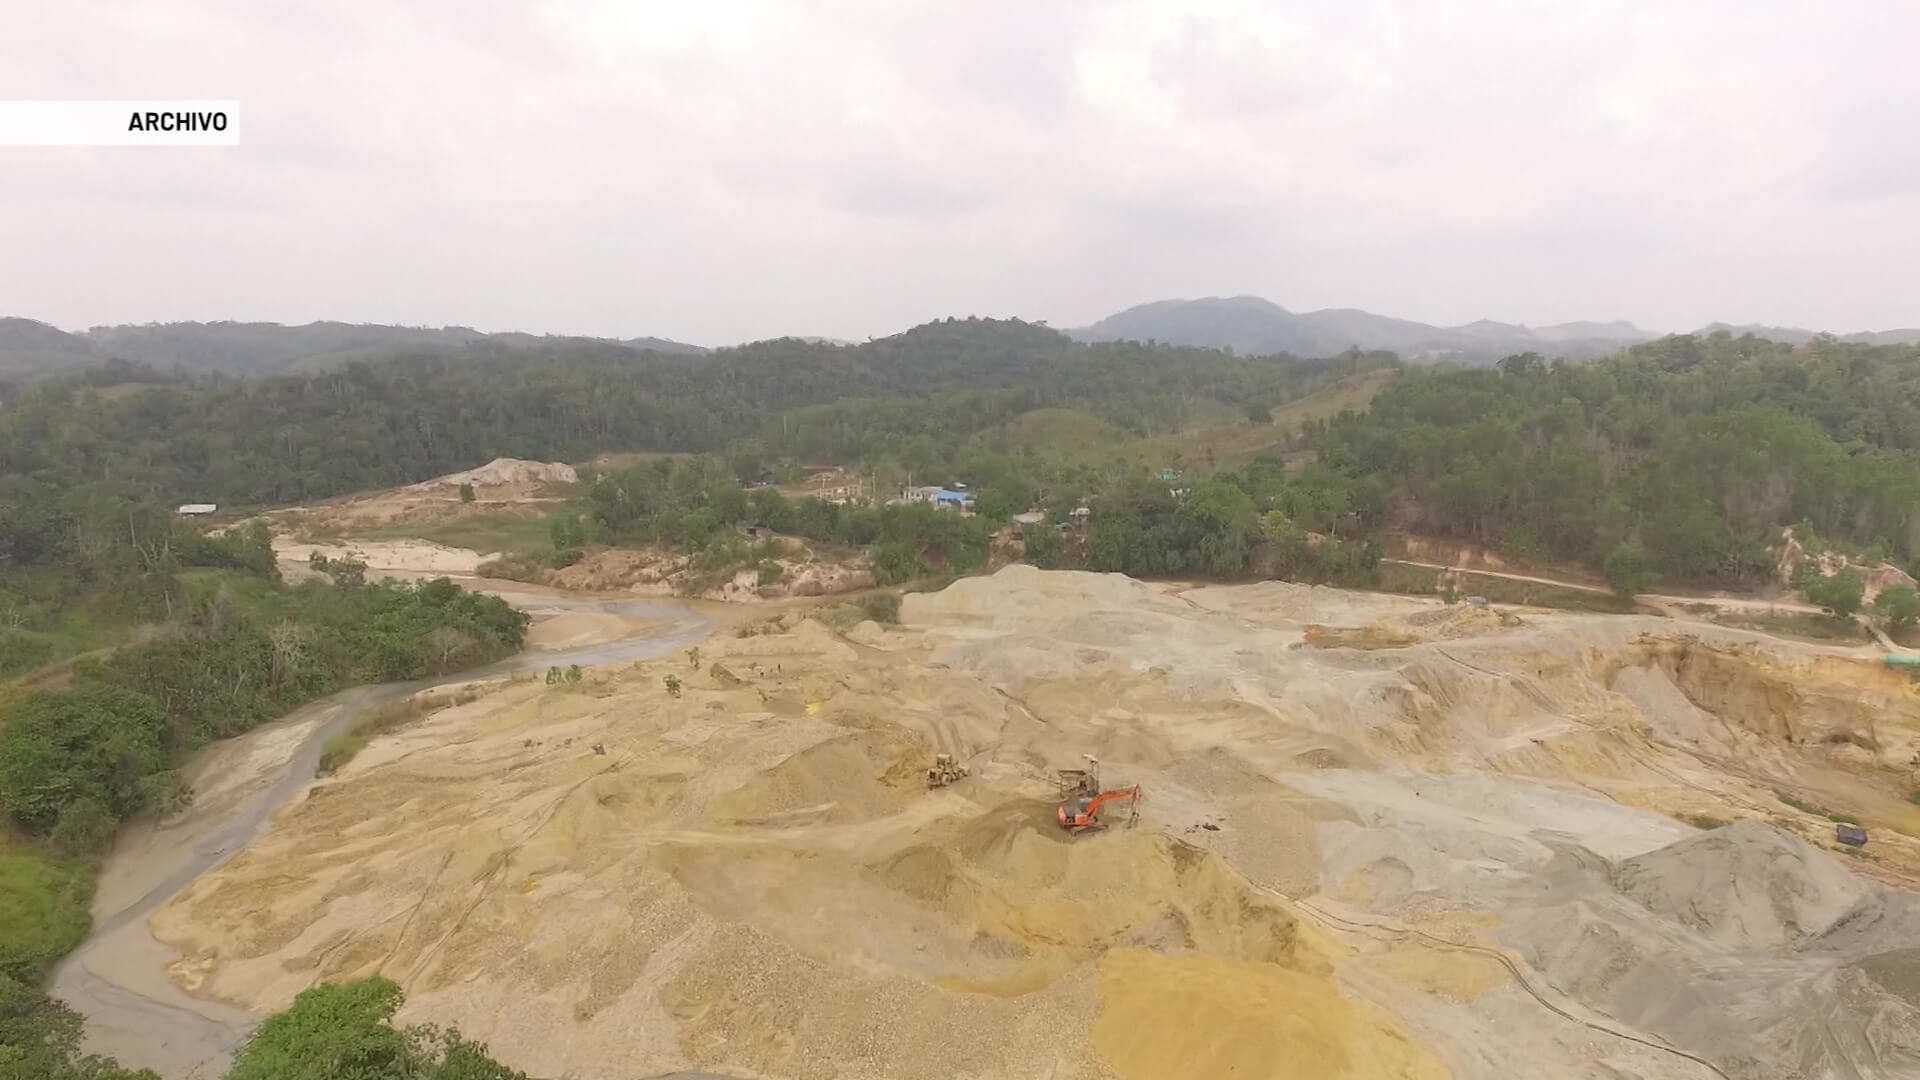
x=1203, y=1018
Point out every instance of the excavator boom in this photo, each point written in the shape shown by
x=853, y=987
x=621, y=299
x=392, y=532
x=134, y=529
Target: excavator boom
x=1078, y=814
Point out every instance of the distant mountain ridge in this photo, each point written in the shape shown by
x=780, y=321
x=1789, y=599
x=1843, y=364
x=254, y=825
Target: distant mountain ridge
x=28, y=347
x=1795, y=336
x=1253, y=326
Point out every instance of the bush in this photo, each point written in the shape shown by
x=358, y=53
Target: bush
x=84, y=828
x=342, y=748
x=165, y=793
x=1628, y=571
x=23, y=649
x=1900, y=605
x=466, y=493
x=771, y=573
x=346, y=1029
x=94, y=743
x=1838, y=593
x=895, y=562
x=881, y=607
x=1042, y=544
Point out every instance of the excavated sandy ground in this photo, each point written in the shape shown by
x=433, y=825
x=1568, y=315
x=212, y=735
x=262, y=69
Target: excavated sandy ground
x=501, y=486
x=1380, y=838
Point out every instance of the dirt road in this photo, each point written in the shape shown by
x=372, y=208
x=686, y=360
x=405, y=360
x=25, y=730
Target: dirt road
x=118, y=978
x=1664, y=602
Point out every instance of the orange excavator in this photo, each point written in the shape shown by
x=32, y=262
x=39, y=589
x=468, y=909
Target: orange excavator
x=1082, y=812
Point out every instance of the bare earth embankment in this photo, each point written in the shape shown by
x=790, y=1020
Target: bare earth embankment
x=1380, y=838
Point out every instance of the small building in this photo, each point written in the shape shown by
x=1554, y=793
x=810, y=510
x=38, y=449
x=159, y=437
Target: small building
x=949, y=499
x=1031, y=517
x=196, y=509
x=922, y=494
x=1850, y=835
x=1081, y=513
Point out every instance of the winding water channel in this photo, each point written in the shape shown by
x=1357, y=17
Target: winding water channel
x=118, y=976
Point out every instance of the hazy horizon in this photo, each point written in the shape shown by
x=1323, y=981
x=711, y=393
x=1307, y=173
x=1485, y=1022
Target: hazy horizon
x=1054, y=323
x=742, y=170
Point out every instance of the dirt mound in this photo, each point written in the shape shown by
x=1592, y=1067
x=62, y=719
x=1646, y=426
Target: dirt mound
x=1020, y=595
x=1746, y=885
x=753, y=877
x=1168, y=1017
x=853, y=777
x=505, y=472
x=1284, y=602
x=407, y=556
x=1461, y=621
x=1375, y=636
x=656, y=571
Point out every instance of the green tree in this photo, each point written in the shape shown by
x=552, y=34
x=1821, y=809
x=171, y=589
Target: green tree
x=1899, y=604
x=566, y=532
x=995, y=505
x=1042, y=544
x=93, y=742
x=345, y=1031
x=895, y=562
x=466, y=493
x=84, y=827
x=1628, y=571
x=1224, y=526
x=1838, y=593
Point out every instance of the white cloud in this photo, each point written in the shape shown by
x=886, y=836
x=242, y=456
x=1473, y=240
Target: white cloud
x=734, y=169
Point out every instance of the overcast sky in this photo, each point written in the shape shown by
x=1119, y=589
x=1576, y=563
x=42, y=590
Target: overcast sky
x=719, y=171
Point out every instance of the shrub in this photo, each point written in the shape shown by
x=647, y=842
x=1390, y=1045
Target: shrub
x=1900, y=605
x=881, y=607
x=525, y=568
x=895, y=562
x=43, y=914
x=1838, y=593
x=165, y=793
x=85, y=827
x=94, y=742
x=1042, y=544
x=1628, y=571
x=346, y=1029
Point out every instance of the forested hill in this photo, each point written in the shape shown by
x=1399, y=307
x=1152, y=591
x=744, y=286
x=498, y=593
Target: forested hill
x=1252, y=326
x=242, y=348
x=411, y=416
x=1688, y=453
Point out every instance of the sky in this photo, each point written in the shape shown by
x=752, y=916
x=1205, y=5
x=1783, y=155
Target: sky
x=728, y=170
